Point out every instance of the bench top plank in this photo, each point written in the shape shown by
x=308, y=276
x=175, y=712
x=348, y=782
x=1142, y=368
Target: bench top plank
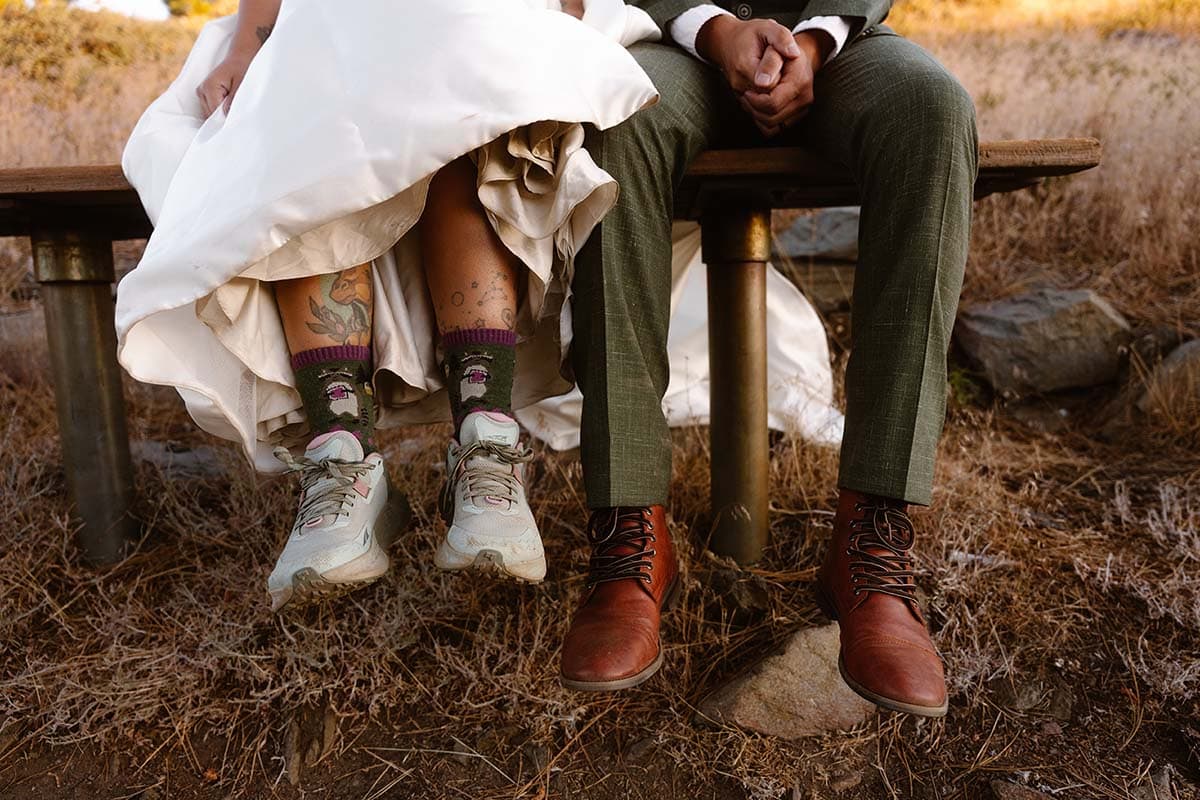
x=782, y=177
x=1040, y=157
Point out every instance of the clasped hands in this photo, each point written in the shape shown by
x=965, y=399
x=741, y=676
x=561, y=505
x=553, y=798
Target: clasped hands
x=769, y=68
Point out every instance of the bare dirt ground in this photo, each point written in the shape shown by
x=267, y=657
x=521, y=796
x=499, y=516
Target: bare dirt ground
x=1059, y=566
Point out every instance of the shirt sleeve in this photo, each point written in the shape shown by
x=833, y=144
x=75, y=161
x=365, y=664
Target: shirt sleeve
x=685, y=28
x=836, y=27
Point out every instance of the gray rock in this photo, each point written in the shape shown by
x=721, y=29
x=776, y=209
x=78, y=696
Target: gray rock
x=1062, y=702
x=1018, y=696
x=1044, y=340
x=796, y=693
x=817, y=252
x=1150, y=343
x=828, y=285
x=1173, y=388
x=1003, y=790
x=179, y=462
x=738, y=589
x=830, y=234
x=640, y=751
x=537, y=754
x=1157, y=785
x=27, y=289
x=845, y=781
x=1040, y=415
x=150, y=792
x=28, y=325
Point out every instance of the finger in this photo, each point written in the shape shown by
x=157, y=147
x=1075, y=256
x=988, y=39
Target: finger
x=758, y=120
x=769, y=70
x=774, y=101
x=745, y=105
x=786, y=116
x=789, y=90
x=205, y=105
x=781, y=39
x=745, y=72
x=766, y=130
x=782, y=117
x=764, y=102
x=789, y=122
x=775, y=117
x=233, y=87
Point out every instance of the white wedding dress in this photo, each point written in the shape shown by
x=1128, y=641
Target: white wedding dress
x=324, y=162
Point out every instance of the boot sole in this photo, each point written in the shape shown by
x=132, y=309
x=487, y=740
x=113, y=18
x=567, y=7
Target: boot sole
x=887, y=703
x=634, y=680
x=620, y=683
x=309, y=587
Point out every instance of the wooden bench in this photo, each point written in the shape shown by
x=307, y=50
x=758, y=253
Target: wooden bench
x=72, y=215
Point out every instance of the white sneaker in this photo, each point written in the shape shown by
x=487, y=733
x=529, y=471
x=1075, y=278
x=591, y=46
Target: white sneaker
x=343, y=524
x=491, y=525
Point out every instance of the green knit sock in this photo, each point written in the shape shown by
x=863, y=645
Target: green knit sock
x=335, y=387
x=479, y=371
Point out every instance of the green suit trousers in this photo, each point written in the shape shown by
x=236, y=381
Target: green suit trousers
x=891, y=115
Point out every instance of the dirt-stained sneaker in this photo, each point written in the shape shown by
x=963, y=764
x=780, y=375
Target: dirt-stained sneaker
x=491, y=525
x=343, y=525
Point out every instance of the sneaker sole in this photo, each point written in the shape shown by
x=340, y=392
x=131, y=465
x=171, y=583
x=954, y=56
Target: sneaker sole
x=309, y=586
x=489, y=561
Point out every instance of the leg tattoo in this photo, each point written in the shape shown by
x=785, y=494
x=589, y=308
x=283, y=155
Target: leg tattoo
x=331, y=349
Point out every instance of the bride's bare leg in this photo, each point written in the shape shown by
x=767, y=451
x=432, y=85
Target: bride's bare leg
x=327, y=322
x=472, y=281
x=471, y=274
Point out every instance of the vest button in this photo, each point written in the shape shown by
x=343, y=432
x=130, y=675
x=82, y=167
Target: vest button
x=743, y=11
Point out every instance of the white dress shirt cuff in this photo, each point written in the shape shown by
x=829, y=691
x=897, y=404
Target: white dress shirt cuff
x=685, y=28
x=836, y=27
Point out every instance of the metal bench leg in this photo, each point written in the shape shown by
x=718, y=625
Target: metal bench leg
x=736, y=247
x=76, y=274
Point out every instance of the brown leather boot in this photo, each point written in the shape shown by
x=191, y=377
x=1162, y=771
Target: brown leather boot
x=866, y=584
x=613, y=641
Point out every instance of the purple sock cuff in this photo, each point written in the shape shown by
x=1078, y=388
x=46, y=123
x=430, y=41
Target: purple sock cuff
x=469, y=336
x=323, y=355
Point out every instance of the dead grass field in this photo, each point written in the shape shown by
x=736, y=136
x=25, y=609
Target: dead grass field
x=1060, y=570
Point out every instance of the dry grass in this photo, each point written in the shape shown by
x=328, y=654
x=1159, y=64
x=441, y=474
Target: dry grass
x=1049, y=562
x=916, y=17
x=1052, y=563
x=1131, y=229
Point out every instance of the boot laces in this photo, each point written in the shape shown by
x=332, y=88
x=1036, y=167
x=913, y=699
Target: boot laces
x=484, y=469
x=880, y=549
x=612, y=530
x=326, y=486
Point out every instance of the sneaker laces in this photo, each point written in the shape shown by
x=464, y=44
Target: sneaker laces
x=479, y=469
x=880, y=549
x=326, y=486
x=608, y=532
